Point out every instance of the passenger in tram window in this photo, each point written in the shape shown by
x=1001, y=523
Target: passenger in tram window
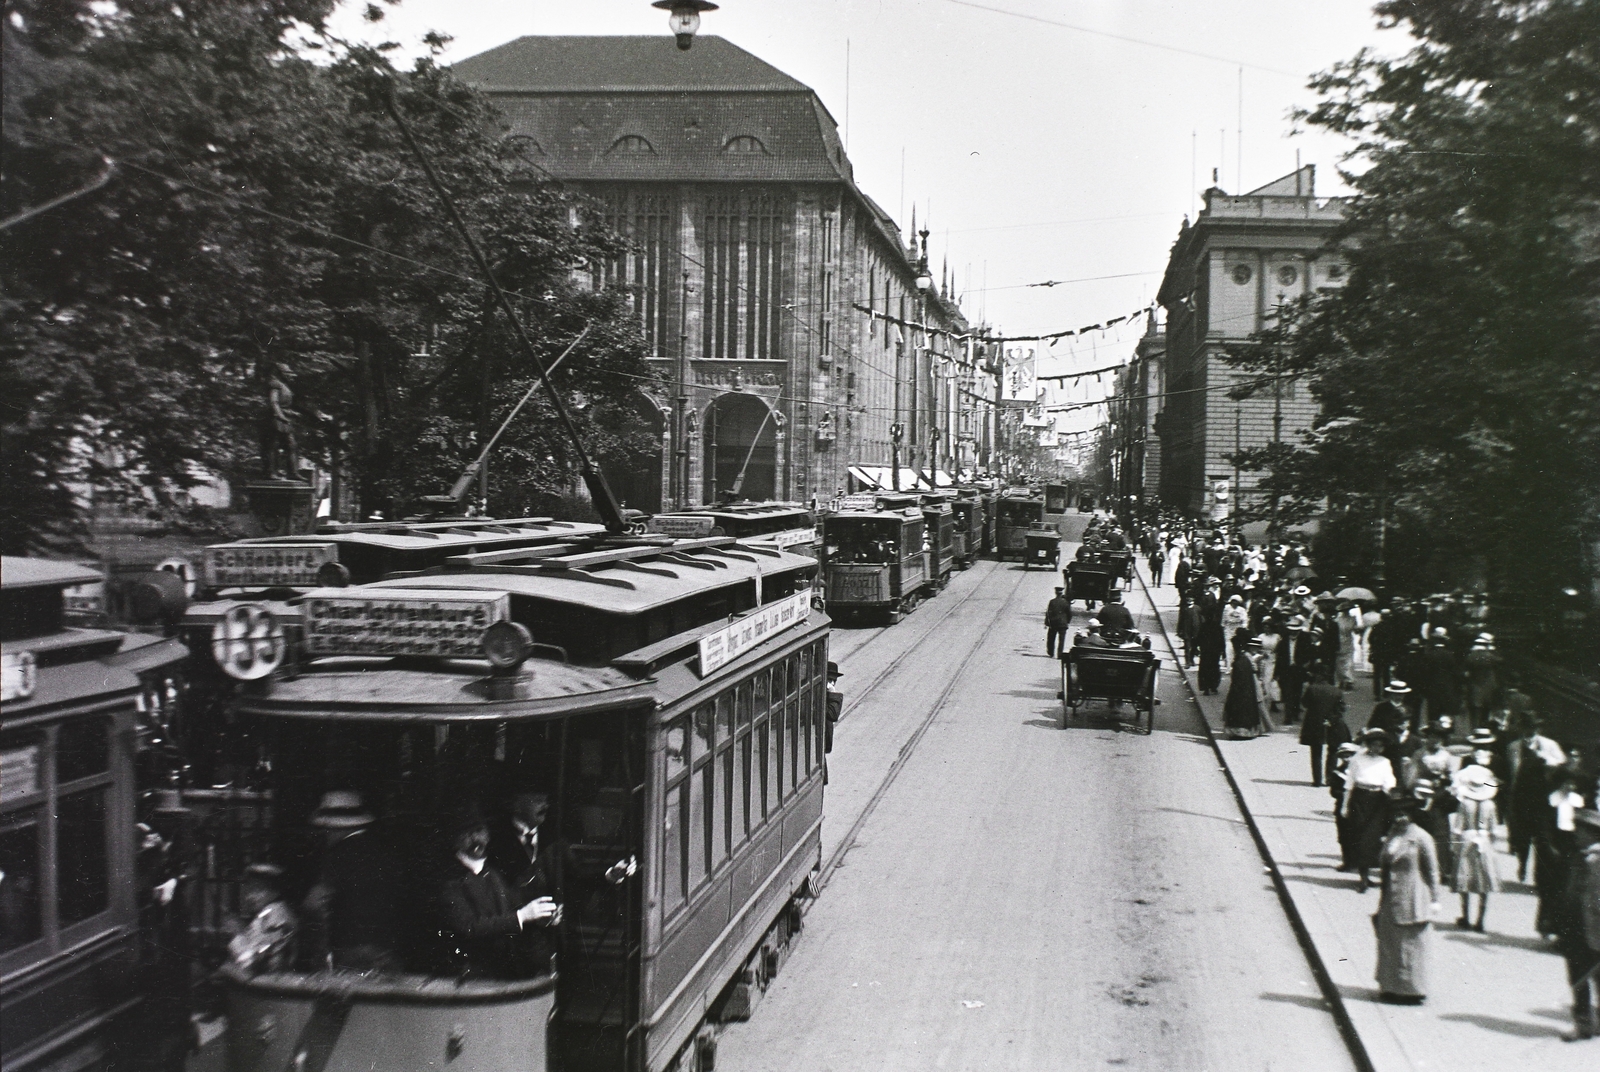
x=483, y=926
x=265, y=939
x=532, y=872
x=353, y=909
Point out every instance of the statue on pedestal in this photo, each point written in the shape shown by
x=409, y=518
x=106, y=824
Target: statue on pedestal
x=280, y=454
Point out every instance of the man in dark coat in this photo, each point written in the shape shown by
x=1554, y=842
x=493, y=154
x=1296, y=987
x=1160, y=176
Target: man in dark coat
x=354, y=907
x=1212, y=642
x=1057, y=617
x=1324, y=706
x=481, y=920
x=1529, y=760
x=1114, y=615
x=1384, y=645
x=1441, y=676
x=1296, y=650
x=1393, y=717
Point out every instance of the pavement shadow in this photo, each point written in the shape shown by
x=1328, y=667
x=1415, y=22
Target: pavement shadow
x=1192, y=738
x=1510, y=941
x=1361, y=993
x=1519, y=1028
x=1203, y=815
x=1326, y=880
x=1318, y=817
x=1301, y=782
x=1031, y=694
x=1046, y=723
x=1305, y=1001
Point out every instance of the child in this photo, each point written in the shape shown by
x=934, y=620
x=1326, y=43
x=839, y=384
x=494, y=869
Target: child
x=266, y=938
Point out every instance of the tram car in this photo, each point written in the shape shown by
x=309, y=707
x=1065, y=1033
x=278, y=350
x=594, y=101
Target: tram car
x=784, y=526
x=1057, y=501
x=1015, y=514
x=86, y=709
x=873, y=558
x=652, y=710
x=939, y=536
x=968, y=544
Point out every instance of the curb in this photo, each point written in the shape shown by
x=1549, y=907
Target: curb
x=1319, y=970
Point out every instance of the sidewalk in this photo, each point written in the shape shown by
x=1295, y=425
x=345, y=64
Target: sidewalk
x=1498, y=1001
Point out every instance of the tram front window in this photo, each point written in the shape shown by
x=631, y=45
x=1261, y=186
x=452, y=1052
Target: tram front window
x=19, y=881
x=445, y=848
x=870, y=543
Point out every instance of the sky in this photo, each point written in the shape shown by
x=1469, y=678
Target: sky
x=1038, y=140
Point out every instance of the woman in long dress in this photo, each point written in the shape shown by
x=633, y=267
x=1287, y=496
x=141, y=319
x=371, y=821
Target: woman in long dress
x=1410, y=900
x=1241, y=711
x=1472, y=827
x=1369, y=780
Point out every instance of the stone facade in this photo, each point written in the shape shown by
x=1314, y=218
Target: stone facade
x=1243, y=256
x=756, y=262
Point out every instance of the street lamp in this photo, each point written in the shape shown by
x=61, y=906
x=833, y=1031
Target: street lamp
x=684, y=19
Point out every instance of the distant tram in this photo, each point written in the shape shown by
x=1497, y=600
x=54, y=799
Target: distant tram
x=968, y=508
x=873, y=556
x=666, y=698
x=783, y=526
x=83, y=708
x=940, y=536
x=1015, y=513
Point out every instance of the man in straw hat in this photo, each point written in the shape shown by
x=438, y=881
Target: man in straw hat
x=354, y=907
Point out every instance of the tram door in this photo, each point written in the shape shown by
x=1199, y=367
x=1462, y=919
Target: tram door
x=741, y=439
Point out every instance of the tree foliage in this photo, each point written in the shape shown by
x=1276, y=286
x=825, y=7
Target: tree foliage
x=1458, y=370
x=265, y=217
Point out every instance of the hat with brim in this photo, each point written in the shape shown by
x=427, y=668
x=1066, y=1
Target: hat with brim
x=1348, y=748
x=1481, y=738
x=1298, y=624
x=1476, y=783
x=264, y=873
x=530, y=809
x=1397, y=688
x=341, y=809
x=1373, y=733
x=1484, y=638
x=1302, y=590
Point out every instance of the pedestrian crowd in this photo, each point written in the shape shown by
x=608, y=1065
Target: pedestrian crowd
x=1450, y=757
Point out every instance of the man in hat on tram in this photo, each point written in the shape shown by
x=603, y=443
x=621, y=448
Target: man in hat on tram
x=354, y=907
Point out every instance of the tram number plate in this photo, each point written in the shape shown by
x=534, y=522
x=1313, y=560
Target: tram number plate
x=401, y=621
x=233, y=565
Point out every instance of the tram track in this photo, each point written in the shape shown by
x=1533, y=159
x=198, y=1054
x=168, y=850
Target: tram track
x=846, y=843
x=898, y=660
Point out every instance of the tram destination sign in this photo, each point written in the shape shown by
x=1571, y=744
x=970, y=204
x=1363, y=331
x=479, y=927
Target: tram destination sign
x=682, y=527
x=401, y=621
x=243, y=565
x=728, y=643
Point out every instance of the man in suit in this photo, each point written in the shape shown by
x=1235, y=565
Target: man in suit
x=354, y=908
x=1057, y=617
x=1113, y=615
x=481, y=920
x=1296, y=650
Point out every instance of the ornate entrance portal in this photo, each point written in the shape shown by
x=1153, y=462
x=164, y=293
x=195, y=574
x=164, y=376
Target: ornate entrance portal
x=741, y=438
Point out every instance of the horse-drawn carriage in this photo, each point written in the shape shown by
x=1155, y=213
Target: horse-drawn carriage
x=1113, y=666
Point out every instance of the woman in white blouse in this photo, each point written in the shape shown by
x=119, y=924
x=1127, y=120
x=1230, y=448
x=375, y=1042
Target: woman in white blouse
x=1366, y=810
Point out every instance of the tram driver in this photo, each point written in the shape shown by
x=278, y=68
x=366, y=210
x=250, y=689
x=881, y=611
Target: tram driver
x=354, y=907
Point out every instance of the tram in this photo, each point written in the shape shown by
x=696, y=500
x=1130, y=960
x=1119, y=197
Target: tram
x=665, y=698
x=784, y=526
x=968, y=509
x=1057, y=501
x=1015, y=513
x=85, y=707
x=939, y=536
x=873, y=557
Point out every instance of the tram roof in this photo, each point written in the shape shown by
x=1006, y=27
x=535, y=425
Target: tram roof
x=909, y=513
x=630, y=581
x=404, y=536
x=17, y=572
x=755, y=510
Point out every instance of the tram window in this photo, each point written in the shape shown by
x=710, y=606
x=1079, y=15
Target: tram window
x=741, y=791
x=697, y=825
x=677, y=758
x=725, y=717
x=807, y=702
x=19, y=883
x=83, y=889
x=673, y=867
x=742, y=708
x=763, y=767
x=794, y=743
x=82, y=748
x=763, y=694
x=702, y=733
x=725, y=803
